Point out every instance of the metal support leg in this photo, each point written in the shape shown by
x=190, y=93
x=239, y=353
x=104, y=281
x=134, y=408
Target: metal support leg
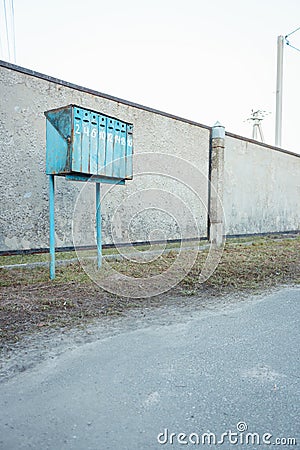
x=52, y=227
x=98, y=226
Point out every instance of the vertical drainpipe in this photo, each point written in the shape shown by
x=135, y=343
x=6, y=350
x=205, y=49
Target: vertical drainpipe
x=216, y=213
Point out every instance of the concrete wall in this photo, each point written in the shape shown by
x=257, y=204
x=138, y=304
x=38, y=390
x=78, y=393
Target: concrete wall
x=261, y=188
x=166, y=200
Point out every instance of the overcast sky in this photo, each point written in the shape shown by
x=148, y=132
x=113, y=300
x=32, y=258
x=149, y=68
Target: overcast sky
x=204, y=60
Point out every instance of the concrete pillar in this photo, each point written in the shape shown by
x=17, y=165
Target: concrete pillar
x=216, y=212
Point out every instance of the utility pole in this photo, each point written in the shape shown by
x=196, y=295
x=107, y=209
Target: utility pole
x=278, y=125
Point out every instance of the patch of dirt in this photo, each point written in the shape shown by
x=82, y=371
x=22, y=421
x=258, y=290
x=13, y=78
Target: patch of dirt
x=30, y=303
x=48, y=343
x=35, y=307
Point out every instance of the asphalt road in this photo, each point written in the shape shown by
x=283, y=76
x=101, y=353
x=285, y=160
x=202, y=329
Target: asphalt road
x=221, y=370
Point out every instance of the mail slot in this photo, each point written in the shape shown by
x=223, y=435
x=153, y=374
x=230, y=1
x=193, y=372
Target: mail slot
x=85, y=142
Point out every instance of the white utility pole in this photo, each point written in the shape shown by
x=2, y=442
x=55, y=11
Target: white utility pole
x=278, y=125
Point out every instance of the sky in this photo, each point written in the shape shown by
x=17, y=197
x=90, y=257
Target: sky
x=199, y=59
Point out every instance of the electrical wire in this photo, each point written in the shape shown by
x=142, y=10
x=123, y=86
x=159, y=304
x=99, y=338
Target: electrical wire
x=287, y=35
x=13, y=30
x=288, y=42
x=1, y=47
x=6, y=26
x=290, y=45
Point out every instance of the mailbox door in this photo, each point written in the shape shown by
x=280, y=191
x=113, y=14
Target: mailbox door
x=101, y=145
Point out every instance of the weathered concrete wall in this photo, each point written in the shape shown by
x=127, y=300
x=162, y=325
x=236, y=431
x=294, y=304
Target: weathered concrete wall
x=261, y=188
x=168, y=198
x=170, y=188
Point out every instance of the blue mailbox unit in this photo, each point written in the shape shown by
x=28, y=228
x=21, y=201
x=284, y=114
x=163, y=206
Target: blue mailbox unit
x=85, y=145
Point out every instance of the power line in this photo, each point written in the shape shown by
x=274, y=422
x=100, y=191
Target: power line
x=287, y=35
x=13, y=29
x=290, y=45
x=6, y=26
x=7, y=37
x=288, y=42
x=1, y=47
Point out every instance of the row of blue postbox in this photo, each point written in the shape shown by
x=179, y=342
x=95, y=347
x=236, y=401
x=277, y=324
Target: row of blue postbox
x=86, y=142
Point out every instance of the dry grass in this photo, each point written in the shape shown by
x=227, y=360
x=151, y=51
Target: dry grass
x=263, y=264
x=30, y=302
